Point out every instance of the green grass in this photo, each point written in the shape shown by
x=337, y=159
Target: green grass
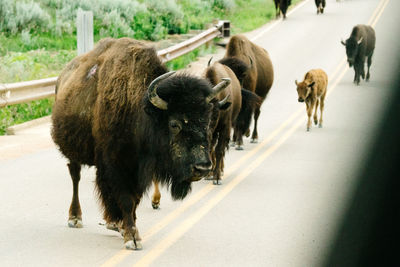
x=32, y=65
x=19, y=113
x=184, y=60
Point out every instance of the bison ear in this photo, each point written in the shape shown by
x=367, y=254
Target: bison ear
x=311, y=85
x=343, y=43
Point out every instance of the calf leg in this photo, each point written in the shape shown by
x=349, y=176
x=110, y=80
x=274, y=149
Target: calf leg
x=315, y=112
x=254, y=136
x=155, y=200
x=309, y=113
x=322, y=110
x=75, y=213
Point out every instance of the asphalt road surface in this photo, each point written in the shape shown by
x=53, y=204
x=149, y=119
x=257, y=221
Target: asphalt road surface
x=281, y=199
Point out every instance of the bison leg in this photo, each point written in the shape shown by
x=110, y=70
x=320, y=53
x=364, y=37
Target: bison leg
x=309, y=113
x=254, y=136
x=369, y=64
x=223, y=142
x=119, y=205
x=315, y=112
x=128, y=206
x=321, y=110
x=212, y=154
x=75, y=213
x=155, y=200
x=238, y=138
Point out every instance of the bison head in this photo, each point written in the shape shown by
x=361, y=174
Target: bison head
x=352, y=46
x=304, y=89
x=181, y=108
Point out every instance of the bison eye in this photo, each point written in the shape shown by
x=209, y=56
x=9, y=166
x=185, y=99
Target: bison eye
x=175, y=126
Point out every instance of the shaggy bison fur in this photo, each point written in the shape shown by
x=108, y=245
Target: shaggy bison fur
x=118, y=109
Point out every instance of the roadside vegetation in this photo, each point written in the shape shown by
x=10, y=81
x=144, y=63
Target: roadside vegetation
x=38, y=37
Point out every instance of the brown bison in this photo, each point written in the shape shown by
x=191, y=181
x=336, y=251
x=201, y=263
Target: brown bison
x=313, y=91
x=320, y=6
x=359, y=46
x=118, y=109
x=257, y=77
x=224, y=117
x=282, y=6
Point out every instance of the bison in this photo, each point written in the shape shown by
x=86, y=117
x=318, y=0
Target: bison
x=312, y=91
x=360, y=45
x=225, y=116
x=282, y=6
x=257, y=77
x=320, y=6
x=119, y=109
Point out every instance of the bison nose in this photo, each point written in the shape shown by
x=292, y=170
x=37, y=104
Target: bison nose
x=301, y=99
x=203, y=167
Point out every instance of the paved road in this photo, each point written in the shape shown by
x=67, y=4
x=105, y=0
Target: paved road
x=281, y=199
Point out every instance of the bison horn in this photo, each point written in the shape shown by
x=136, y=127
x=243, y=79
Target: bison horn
x=209, y=62
x=360, y=41
x=152, y=92
x=296, y=82
x=223, y=101
x=218, y=88
x=343, y=43
x=251, y=62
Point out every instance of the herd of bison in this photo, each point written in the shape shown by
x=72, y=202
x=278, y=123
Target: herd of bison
x=118, y=108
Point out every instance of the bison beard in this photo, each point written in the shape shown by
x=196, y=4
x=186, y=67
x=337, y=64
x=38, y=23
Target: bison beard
x=179, y=190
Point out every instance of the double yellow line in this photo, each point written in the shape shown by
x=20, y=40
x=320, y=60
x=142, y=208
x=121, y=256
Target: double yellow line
x=294, y=120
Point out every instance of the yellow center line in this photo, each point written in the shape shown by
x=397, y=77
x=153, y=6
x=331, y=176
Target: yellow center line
x=375, y=12
x=380, y=13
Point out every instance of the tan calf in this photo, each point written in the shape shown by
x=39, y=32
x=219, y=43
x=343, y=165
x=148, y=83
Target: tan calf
x=312, y=91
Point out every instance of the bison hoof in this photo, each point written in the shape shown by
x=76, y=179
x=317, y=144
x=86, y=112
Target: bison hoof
x=239, y=147
x=308, y=129
x=209, y=178
x=75, y=222
x=155, y=206
x=320, y=125
x=232, y=144
x=254, y=141
x=133, y=245
x=112, y=226
x=217, y=182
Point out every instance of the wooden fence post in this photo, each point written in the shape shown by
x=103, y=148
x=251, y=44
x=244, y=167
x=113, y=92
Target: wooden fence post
x=84, y=29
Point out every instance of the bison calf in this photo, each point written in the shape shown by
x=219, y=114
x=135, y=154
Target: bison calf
x=312, y=91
